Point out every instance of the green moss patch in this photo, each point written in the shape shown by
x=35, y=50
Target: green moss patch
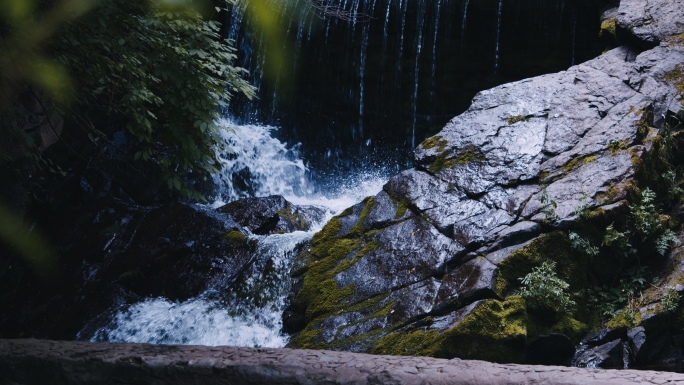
x=607, y=29
x=515, y=119
x=329, y=255
x=403, y=207
x=234, y=237
x=623, y=320
x=435, y=141
x=469, y=155
x=494, y=331
x=576, y=163
x=552, y=247
x=440, y=163
x=132, y=277
x=617, y=146
x=676, y=77
x=356, y=229
x=295, y=218
x=644, y=123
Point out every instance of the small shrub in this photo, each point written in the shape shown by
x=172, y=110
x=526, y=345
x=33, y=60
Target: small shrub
x=580, y=244
x=548, y=207
x=542, y=289
x=665, y=241
x=669, y=302
x=611, y=301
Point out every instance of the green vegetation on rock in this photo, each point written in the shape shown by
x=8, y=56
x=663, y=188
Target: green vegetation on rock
x=577, y=162
x=435, y=141
x=676, y=77
x=542, y=289
x=515, y=119
x=330, y=254
x=493, y=331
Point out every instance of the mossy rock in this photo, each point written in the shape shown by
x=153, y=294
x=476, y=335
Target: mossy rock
x=235, y=238
x=435, y=141
x=493, y=331
x=329, y=255
x=676, y=79
x=546, y=248
x=467, y=156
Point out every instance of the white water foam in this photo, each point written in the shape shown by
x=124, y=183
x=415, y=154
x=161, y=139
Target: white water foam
x=210, y=319
x=255, y=164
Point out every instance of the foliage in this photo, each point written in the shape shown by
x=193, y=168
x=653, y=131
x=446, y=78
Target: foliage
x=609, y=301
x=645, y=225
x=164, y=71
x=160, y=71
x=665, y=241
x=644, y=217
x=548, y=207
x=619, y=241
x=669, y=302
x=675, y=193
x=583, y=245
x=542, y=289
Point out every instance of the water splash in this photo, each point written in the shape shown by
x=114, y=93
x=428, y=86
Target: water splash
x=255, y=164
x=250, y=314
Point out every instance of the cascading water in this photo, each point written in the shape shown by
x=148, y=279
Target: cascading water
x=371, y=88
x=254, y=164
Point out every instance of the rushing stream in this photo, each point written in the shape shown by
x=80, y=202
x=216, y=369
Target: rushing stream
x=255, y=318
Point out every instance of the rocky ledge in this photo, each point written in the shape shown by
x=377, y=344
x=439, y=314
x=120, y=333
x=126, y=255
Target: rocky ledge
x=430, y=265
x=29, y=362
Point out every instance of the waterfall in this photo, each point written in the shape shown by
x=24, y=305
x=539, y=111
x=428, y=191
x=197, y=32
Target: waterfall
x=212, y=318
x=498, y=38
x=341, y=116
x=420, y=22
x=465, y=19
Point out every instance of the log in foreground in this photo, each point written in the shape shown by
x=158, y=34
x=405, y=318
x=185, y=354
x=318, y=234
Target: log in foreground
x=30, y=361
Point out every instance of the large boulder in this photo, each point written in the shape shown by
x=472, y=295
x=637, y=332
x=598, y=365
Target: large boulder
x=415, y=269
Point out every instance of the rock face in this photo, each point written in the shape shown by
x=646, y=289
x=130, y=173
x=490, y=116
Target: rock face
x=428, y=266
x=118, y=253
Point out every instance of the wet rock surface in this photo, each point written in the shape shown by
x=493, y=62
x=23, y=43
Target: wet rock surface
x=29, y=362
x=114, y=253
x=488, y=192
x=272, y=214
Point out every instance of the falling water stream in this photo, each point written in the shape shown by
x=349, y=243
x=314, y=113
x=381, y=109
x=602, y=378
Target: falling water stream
x=356, y=97
x=254, y=164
